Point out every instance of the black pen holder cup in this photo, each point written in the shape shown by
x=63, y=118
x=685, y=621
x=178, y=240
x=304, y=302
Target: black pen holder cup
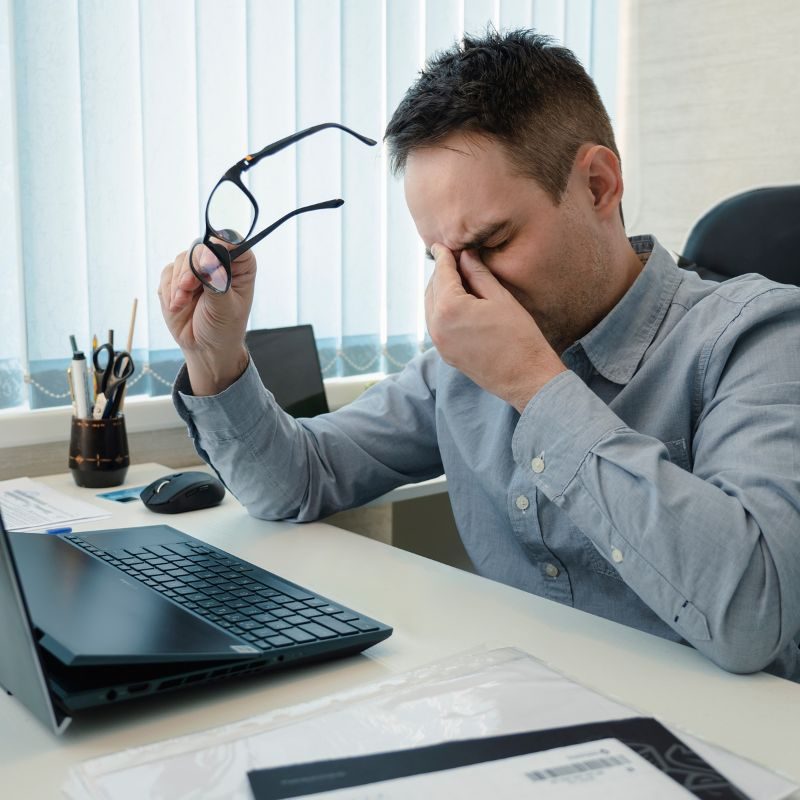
x=98, y=452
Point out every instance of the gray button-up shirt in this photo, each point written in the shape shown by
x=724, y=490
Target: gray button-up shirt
x=656, y=482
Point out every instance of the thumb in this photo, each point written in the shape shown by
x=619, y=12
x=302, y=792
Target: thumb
x=477, y=277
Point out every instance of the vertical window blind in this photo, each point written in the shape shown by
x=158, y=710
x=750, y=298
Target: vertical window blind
x=119, y=118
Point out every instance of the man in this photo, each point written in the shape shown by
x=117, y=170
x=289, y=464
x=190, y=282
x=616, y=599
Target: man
x=618, y=435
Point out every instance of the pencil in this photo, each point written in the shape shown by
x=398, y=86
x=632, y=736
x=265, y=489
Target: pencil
x=129, y=348
x=133, y=323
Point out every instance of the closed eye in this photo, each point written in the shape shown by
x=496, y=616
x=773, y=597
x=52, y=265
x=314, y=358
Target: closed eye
x=495, y=248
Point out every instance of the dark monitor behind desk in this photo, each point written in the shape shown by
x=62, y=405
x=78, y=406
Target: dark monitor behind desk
x=288, y=363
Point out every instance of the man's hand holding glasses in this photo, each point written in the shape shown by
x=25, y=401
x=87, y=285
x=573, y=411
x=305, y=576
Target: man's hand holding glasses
x=207, y=292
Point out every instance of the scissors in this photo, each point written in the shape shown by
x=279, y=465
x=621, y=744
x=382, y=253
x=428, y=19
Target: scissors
x=114, y=369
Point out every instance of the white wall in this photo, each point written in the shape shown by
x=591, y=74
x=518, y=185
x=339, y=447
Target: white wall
x=709, y=106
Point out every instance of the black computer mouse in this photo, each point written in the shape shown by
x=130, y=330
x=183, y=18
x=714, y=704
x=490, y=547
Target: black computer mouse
x=183, y=491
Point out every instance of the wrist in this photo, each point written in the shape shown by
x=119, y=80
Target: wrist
x=212, y=373
x=524, y=389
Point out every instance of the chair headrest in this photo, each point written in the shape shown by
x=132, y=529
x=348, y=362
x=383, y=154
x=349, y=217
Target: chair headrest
x=756, y=231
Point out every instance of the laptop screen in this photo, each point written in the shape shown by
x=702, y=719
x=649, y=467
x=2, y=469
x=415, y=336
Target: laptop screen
x=288, y=363
x=20, y=669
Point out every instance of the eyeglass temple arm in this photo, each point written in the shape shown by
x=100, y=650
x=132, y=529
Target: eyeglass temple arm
x=276, y=147
x=245, y=246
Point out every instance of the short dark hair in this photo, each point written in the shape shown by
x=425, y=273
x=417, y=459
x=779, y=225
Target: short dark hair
x=521, y=88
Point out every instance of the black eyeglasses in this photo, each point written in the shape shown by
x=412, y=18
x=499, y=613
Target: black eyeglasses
x=231, y=209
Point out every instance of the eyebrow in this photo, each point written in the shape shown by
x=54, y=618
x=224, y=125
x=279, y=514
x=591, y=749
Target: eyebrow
x=479, y=237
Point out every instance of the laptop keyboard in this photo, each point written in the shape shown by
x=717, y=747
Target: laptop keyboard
x=233, y=594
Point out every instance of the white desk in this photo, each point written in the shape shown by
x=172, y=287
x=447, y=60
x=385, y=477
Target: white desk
x=437, y=611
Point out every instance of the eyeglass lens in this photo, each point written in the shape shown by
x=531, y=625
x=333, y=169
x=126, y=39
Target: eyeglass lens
x=230, y=212
x=208, y=268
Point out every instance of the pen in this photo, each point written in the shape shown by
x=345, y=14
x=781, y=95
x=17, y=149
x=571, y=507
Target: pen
x=59, y=530
x=94, y=371
x=71, y=392
x=79, y=386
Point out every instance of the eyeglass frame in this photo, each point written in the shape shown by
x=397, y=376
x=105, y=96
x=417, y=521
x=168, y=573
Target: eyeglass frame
x=234, y=175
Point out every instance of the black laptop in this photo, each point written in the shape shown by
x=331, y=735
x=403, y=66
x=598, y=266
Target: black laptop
x=299, y=389
x=105, y=616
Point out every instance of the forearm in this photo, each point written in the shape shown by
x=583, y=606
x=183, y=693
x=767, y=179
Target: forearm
x=719, y=566
x=282, y=468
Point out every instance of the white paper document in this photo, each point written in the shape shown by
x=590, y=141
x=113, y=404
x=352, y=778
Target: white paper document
x=605, y=768
x=473, y=695
x=28, y=505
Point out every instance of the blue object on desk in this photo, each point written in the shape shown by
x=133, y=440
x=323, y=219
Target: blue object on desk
x=58, y=530
x=123, y=495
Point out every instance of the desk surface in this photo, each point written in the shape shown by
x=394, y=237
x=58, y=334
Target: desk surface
x=437, y=612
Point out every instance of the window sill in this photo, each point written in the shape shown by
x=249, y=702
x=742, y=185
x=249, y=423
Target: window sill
x=142, y=414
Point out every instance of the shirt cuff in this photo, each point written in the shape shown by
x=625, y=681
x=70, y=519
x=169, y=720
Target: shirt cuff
x=557, y=431
x=231, y=414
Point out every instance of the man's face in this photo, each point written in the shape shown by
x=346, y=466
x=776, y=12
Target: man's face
x=465, y=194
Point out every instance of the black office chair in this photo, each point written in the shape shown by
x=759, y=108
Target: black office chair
x=755, y=231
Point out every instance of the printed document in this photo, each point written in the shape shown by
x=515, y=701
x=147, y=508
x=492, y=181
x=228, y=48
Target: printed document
x=29, y=505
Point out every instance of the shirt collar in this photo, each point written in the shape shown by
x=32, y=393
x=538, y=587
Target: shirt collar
x=616, y=345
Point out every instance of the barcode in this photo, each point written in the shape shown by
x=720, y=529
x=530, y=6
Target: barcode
x=578, y=766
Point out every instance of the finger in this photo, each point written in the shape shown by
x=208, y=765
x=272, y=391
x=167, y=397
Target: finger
x=165, y=286
x=242, y=266
x=181, y=266
x=477, y=276
x=445, y=278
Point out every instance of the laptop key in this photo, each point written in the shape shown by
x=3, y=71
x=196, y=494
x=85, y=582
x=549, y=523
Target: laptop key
x=264, y=632
x=296, y=620
x=297, y=594
x=180, y=548
x=298, y=635
x=336, y=625
x=279, y=641
x=346, y=616
x=265, y=617
x=310, y=613
x=318, y=631
x=364, y=625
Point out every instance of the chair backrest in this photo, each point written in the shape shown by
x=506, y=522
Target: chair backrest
x=756, y=231
x=288, y=363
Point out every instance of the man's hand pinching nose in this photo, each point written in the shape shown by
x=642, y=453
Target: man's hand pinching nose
x=479, y=328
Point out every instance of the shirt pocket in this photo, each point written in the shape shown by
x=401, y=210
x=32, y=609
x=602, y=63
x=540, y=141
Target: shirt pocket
x=679, y=454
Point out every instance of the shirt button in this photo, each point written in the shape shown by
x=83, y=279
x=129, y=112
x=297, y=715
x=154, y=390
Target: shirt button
x=522, y=502
x=537, y=464
x=551, y=570
x=616, y=555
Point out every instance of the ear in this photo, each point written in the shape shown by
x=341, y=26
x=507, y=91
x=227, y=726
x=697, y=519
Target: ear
x=602, y=175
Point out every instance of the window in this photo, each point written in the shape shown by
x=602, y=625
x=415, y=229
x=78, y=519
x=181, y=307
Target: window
x=122, y=117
